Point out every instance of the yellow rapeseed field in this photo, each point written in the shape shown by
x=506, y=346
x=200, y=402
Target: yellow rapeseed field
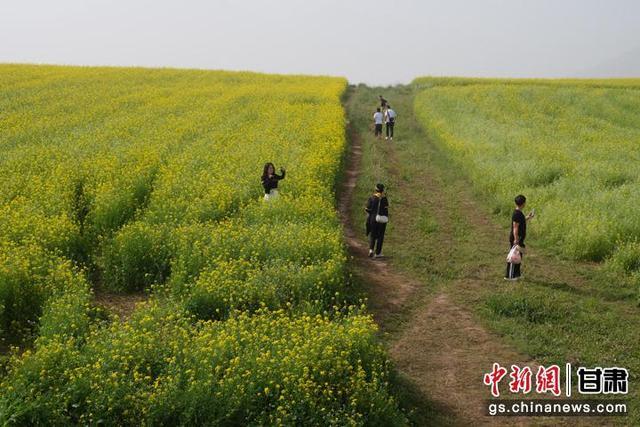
x=149, y=180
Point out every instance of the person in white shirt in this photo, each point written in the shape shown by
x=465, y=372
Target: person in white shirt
x=377, y=121
x=390, y=120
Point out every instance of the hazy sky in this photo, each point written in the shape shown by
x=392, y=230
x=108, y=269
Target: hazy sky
x=371, y=41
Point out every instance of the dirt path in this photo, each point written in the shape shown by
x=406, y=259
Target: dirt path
x=121, y=305
x=441, y=350
x=388, y=292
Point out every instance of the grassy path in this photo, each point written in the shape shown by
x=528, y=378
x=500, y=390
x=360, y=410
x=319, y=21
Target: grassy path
x=413, y=313
x=445, y=313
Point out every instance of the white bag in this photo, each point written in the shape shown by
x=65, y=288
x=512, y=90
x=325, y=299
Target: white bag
x=514, y=256
x=381, y=219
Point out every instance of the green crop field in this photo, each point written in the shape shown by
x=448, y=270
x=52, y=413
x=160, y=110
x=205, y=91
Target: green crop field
x=570, y=146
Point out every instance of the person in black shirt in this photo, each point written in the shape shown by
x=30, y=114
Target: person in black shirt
x=377, y=216
x=517, y=235
x=270, y=180
x=383, y=102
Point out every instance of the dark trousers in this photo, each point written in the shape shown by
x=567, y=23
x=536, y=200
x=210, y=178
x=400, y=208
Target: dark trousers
x=390, y=129
x=376, y=237
x=513, y=270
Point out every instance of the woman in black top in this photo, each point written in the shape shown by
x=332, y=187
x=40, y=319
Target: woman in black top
x=376, y=205
x=517, y=235
x=270, y=180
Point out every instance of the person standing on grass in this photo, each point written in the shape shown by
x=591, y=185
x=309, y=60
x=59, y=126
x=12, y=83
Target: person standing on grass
x=377, y=217
x=377, y=122
x=517, y=235
x=390, y=120
x=383, y=102
x=270, y=180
